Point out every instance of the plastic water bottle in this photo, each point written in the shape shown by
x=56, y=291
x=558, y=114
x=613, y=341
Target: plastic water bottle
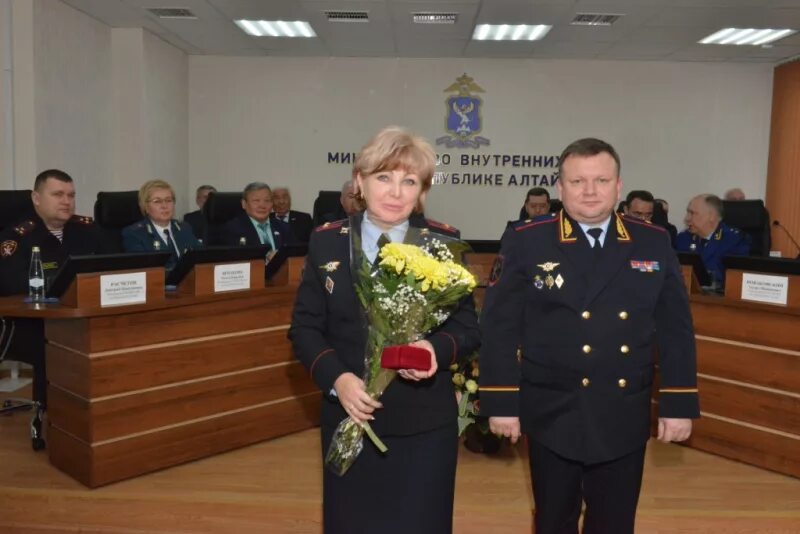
x=36, y=276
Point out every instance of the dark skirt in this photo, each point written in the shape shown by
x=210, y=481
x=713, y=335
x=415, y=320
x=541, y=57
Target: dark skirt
x=408, y=489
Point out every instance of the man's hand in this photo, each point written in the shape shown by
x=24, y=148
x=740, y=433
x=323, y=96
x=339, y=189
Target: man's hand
x=505, y=426
x=674, y=429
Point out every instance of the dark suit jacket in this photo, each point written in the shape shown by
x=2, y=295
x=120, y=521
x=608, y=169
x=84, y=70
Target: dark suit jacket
x=329, y=335
x=300, y=224
x=241, y=227
x=197, y=222
x=143, y=237
x=587, y=330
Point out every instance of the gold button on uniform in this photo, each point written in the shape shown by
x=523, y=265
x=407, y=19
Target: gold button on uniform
x=623, y=315
x=585, y=382
x=587, y=349
x=586, y=314
x=624, y=349
x=622, y=382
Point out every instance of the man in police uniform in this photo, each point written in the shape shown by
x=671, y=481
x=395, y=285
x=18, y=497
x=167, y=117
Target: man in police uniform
x=58, y=232
x=707, y=235
x=575, y=307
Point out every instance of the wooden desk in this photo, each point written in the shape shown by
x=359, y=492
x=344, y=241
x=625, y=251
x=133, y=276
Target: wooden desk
x=748, y=374
x=138, y=388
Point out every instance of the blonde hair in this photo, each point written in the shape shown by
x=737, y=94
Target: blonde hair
x=147, y=189
x=395, y=148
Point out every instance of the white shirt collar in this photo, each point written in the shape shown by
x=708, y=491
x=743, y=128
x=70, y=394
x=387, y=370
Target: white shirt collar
x=602, y=225
x=370, y=233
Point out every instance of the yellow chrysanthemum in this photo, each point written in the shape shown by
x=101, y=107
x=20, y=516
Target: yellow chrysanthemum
x=432, y=273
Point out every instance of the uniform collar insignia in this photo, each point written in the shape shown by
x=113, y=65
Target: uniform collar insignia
x=566, y=230
x=345, y=230
x=548, y=266
x=622, y=232
x=718, y=234
x=331, y=266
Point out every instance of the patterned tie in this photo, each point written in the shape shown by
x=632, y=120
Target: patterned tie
x=597, y=248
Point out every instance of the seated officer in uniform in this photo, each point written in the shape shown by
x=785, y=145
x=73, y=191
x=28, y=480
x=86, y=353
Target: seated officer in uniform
x=707, y=235
x=158, y=231
x=58, y=232
x=256, y=226
x=196, y=219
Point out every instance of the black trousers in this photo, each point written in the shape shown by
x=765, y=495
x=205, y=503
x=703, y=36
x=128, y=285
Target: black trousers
x=560, y=486
x=26, y=344
x=409, y=489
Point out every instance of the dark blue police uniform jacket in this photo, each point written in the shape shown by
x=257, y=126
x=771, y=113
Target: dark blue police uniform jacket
x=143, y=237
x=725, y=241
x=242, y=227
x=568, y=337
x=329, y=336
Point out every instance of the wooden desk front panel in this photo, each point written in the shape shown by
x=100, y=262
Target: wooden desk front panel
x=131, y=393
x=748, y=365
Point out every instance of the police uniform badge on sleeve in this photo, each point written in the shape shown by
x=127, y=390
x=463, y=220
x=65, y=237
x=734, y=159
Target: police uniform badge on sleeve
x=8, y=248
x=497, y=270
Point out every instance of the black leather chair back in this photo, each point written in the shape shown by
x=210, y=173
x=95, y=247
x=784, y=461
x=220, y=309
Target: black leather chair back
x=15, y=206
x=113, y=211
x=218, y=210
x=752, y=218
x=327, y=207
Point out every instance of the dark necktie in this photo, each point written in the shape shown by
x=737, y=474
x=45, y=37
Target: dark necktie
x=597, y=248
x=382, y=240
x=171, y=242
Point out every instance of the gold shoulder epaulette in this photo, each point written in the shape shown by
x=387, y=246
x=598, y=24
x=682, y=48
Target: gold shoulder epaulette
x=81, y=219
x=25, y=228
x=330, y=226
x=442, y=226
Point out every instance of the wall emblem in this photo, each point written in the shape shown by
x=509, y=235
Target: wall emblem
x=463, y=119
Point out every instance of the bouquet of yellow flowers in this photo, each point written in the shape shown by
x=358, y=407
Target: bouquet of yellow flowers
x=412, y=290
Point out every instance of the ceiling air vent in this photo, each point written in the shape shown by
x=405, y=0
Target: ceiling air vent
x=434, y=18
x=172, y=12
x=347, y=16
x=595, y=19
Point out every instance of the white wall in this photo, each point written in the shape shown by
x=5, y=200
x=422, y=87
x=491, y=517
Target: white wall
x=166, y=112
x=109, y=106
x=6, y=108
x=72, y=94
x=681, y=128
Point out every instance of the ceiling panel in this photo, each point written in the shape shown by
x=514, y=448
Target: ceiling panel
x=652, y=29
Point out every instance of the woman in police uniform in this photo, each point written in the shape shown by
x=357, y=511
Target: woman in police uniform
x=158, y=230
x=409, y=488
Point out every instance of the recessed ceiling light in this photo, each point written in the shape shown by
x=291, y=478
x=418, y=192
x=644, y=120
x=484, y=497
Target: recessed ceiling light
x=745, y=36
x=276, y=28
x=510, y=32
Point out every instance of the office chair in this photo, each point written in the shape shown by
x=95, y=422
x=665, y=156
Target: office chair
x=113, y=211
x=15, y=206
x=328, y=208
x=751, y=218
x=218, y=210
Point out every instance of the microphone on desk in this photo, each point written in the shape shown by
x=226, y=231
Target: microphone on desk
x=789, y=235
